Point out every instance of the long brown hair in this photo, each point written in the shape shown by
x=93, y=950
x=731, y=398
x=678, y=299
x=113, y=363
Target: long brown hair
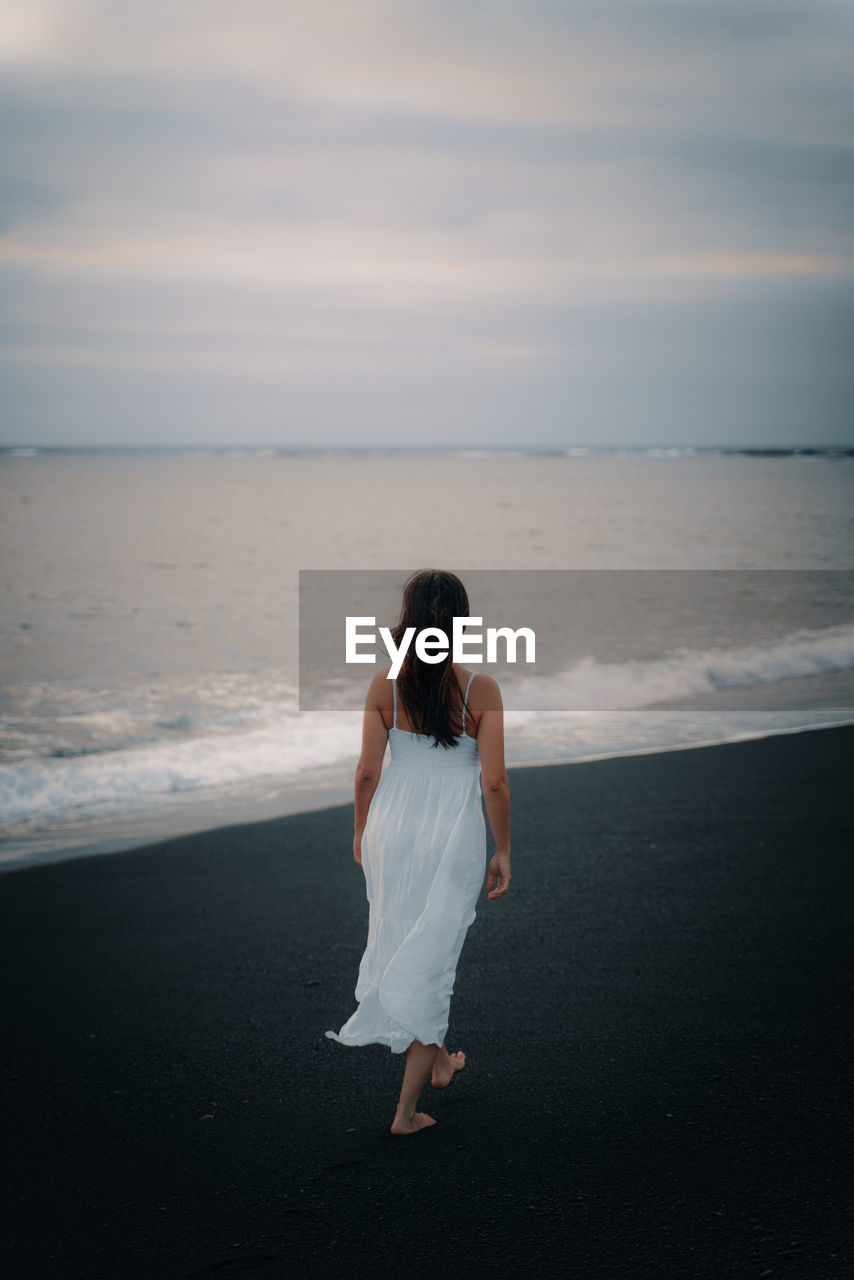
x=429, y=691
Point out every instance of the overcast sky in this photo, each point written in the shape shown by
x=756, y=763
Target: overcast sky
x=419, y=221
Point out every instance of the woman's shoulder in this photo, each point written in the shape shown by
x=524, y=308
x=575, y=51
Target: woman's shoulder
x=380, y=686
x=484, y=691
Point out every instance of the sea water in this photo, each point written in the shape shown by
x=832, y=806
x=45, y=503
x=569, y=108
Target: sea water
x=149, y=657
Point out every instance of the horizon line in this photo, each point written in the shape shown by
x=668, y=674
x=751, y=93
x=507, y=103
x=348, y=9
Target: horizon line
x=397, y=447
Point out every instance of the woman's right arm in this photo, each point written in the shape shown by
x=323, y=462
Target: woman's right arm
x=370, y=766
x=496, y=787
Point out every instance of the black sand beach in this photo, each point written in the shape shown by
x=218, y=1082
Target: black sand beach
x=657, y=1023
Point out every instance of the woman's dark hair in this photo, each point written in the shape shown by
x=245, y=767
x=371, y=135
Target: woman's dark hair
x=429, y=691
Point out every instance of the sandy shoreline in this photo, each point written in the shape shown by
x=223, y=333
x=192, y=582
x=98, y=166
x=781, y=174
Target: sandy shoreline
x=136, y=829
x=656, y=1022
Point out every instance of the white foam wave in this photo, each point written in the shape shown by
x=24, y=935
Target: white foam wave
x=590, y=685
x=284, y=750
x=285, y=747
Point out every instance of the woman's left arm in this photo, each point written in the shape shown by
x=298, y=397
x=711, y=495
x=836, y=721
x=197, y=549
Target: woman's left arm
x=369, y=768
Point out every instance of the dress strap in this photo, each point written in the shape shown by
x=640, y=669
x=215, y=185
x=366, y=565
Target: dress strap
x=394, y=687
x=466, y=698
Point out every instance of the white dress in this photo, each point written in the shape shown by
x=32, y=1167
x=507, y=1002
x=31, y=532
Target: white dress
x=424, y=860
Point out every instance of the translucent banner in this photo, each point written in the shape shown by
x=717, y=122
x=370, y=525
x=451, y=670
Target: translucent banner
x=589, y=640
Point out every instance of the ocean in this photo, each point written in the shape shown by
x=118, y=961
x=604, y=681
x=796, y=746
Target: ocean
x=149, y=666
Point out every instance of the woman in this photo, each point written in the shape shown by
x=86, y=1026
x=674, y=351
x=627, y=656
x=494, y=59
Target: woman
x=420, y=840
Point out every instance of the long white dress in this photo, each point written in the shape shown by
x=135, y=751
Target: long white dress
x=424, y=860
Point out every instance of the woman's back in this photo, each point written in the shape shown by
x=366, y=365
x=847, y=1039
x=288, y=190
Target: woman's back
x=387, y=720
x=411, y=750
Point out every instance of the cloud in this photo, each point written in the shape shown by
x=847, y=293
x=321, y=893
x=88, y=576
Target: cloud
x=317, y=190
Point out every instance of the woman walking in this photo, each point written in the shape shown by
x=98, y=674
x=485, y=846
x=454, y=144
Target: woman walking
x=420, y=840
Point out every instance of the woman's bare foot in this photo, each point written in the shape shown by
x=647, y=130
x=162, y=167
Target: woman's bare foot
x=418, y=1120
x=444, y=1067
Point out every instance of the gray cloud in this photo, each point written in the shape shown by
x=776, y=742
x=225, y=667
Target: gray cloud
x=543, y=221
